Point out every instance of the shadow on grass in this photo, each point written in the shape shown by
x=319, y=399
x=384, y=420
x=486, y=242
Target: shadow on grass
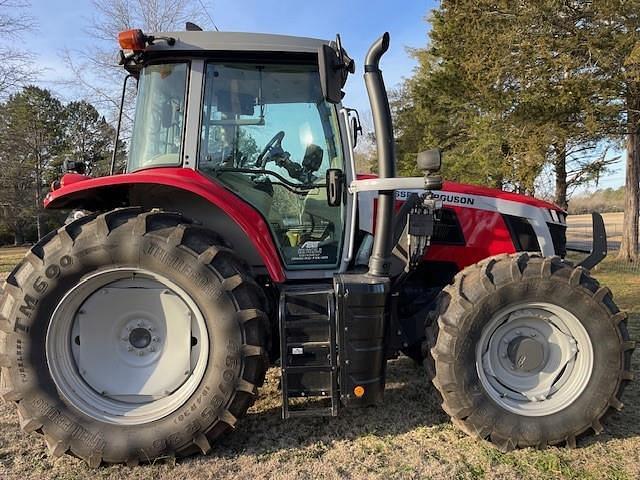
x=410, y=402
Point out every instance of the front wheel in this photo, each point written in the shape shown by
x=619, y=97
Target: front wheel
x=131, y=335
x=529, y=351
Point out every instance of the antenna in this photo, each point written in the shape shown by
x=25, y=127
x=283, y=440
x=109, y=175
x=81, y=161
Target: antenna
x=209, y=16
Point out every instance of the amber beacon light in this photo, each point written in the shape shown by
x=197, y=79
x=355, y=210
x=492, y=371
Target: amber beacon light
x=132, y=40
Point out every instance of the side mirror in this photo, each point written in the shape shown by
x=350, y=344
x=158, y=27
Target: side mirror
x=69, y=166
x=335, y=182
x=335, y=66
x=356, y=129
x=330, y=74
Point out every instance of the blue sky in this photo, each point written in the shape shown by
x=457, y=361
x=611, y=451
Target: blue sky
x=63, y=23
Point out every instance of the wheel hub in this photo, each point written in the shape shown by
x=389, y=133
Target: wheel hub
x=534, y=359
x=140, y=337
x=526, y=354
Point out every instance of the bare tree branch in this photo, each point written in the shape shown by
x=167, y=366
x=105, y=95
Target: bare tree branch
x=16, y=68
x=95, y=74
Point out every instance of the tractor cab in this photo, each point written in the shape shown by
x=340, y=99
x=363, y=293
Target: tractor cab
x=258, y=124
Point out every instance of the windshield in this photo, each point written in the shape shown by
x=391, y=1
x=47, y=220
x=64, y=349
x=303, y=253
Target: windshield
x=159, y=121
x=268, y=135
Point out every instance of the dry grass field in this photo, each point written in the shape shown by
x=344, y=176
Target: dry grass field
x=579, y=230
x=408, y=437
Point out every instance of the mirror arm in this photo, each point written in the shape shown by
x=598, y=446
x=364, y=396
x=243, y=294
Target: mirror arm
x=117, y=136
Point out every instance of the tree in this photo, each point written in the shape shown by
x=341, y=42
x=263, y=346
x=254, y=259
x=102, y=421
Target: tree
x=16, y=68
x=504, y=89
x=450, y=104
x=89, y=138
x=612, y=41
x=31, y=135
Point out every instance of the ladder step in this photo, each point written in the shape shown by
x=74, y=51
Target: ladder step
x=311, y=394
x=308, y=345
x=313, y=412
x=308, y=350
x=308, y=369
x=303, y=290
x=307, y=320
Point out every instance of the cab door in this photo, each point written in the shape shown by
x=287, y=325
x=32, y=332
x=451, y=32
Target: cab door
x=268, y=135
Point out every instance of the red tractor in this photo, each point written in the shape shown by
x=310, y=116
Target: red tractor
x=240, y=236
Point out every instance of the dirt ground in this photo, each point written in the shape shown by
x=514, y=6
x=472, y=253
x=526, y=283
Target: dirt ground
x=408, y=437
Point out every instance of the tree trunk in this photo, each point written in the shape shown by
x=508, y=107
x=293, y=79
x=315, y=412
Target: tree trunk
x=629, y=245
x=18, y=237
x=560, y=166
x=38, y=198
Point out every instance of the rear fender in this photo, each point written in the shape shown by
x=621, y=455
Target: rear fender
x=183, y=190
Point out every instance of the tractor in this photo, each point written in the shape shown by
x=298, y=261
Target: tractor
x=240, y=236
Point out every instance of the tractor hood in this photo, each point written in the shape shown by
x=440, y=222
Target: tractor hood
x=455, y=187
x=468, y=189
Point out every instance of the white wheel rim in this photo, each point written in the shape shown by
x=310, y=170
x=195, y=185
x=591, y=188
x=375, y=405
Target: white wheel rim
x=147, y=358
x=534, y=358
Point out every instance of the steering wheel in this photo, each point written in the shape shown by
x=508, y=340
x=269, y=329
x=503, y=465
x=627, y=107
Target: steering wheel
x=275, y=142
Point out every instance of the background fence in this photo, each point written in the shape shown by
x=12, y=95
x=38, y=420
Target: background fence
x=579, y=235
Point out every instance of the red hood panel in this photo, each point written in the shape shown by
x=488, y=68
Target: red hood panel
x=455, y=187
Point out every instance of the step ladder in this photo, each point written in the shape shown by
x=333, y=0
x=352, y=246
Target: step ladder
x=308, y=351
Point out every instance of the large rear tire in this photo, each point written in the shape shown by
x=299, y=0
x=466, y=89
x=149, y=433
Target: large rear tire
x=528, y=351
x=111, y=285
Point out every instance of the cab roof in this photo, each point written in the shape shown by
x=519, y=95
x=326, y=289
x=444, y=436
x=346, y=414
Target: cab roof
x=200, y=41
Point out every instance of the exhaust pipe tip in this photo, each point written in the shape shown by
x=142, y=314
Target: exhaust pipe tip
x=376, y=51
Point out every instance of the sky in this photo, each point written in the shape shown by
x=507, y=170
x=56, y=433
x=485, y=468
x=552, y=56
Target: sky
x=63, y=24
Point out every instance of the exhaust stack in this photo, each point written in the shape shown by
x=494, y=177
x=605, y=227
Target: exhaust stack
x=379, y=263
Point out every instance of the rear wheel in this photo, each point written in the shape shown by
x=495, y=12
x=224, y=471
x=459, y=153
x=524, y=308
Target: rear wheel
x=131, y=335
x=528, y=351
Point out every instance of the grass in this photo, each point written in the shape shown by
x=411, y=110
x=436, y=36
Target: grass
x=408, y=437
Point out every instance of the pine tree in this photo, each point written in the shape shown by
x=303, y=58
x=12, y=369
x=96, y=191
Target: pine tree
x=30, y=138
x=505, y=89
